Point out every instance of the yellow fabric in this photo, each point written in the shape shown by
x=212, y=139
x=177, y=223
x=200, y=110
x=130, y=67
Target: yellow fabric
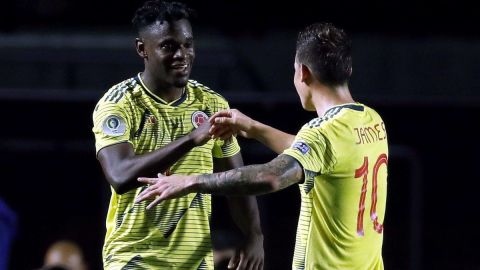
x=335, y=229
x=175, y=234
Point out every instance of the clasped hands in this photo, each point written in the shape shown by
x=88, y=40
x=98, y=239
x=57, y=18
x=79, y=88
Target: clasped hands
x=223, y=125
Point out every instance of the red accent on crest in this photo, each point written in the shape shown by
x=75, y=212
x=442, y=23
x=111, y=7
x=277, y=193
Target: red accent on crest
x=199, y=118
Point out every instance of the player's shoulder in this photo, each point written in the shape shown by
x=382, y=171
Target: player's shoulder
x=120, y=92
x=371, y=111
x=204, y=91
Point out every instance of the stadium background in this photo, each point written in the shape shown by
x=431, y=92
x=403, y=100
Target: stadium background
x=416, y=62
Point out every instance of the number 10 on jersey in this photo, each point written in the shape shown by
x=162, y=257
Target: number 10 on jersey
x=363, y=171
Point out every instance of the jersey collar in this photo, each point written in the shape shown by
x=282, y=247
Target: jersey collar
x=353, y=106
x=158, y=99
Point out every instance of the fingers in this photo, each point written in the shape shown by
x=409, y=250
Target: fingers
x=242, y=264
x=220, y=127
x=258, y=265
x=224, y=120
x=155, y=202
x=213, y=131
x=155, y=188
x=223, y=133
x=151, y=192
x=234, y=261
x=225, y=113
x=147, y=193
x=147, y=180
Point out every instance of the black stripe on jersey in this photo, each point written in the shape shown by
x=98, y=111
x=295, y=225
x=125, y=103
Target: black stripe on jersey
x=354, y=107
x=332, y=112
x=197, y=202
x=316, y=122
x=120, y=95
x=203, y=265
x=118, y=92
x=309, y=181
x=113, y=92
x=119, y=220
x=145, y=116
x=169, y=223
x=133, y=264
x=181, y=100
x=204, y=88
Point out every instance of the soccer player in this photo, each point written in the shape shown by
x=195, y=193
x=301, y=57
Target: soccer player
x=339, y=160
x=156, y=122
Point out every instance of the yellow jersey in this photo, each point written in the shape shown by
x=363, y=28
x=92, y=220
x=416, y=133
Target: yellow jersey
x=344, y=155
x=176, y=233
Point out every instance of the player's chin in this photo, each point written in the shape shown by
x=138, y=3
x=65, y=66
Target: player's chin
x=181, y=81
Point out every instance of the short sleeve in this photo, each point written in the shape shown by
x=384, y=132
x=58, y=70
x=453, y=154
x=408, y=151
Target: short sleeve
x=313, y=150
x=111, y=125
x=223, y=149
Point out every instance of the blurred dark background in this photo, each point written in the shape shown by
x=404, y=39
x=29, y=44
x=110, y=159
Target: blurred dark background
x=416, y=62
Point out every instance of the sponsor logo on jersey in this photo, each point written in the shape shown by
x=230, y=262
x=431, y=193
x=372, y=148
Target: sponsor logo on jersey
x=114, y=125
x=199, y=118
x=151, y=120
x=301, y=146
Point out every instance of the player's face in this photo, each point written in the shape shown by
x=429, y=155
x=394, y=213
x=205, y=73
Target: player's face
x=170, y=51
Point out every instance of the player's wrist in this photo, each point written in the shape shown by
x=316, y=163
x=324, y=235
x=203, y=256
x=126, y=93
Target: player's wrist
x=254, y=129
x=192, y=184
x=193, y=140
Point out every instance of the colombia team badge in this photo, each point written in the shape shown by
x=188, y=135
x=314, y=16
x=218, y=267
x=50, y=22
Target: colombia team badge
x=199, y=118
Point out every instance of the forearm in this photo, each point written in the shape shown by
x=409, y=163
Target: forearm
x=273, y=138
x=244, y=211
x=277, y=174
x=123, y=169
x=160, y=160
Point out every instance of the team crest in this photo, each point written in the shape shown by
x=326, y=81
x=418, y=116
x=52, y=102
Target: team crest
x=301, y=146
x=114, y=125
x=199, y=118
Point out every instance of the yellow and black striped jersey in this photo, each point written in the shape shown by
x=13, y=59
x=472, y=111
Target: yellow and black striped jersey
x=344, y=155
x=176, y=233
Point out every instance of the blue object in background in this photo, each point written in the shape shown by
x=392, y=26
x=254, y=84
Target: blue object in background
x=8, y=225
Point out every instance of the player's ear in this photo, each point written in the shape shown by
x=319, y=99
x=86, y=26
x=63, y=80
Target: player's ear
x=140, y=46
x=305, y=74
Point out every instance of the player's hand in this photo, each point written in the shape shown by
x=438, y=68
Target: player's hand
x=201, y=134
x=163, y=188
x=250, y=256
x=230, y=123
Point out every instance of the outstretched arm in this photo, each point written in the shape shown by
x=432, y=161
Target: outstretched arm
x=122, y=166
x=232, y=122
x=277, y=174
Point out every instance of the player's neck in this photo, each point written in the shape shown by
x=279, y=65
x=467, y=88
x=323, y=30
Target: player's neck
x=164, y=91
x=325, y=98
